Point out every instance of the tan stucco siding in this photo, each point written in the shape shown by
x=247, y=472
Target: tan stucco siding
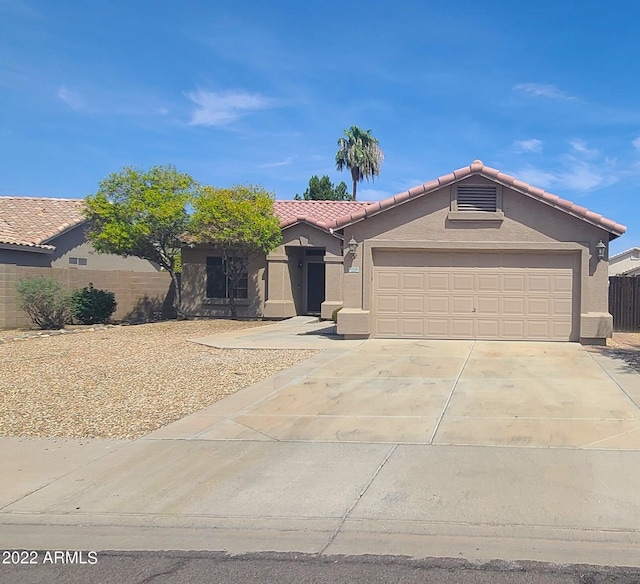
x=194, y=286
x=426, y=223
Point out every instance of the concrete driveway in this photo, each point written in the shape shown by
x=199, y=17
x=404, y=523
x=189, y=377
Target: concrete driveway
x=479, y=450
x=432, y=392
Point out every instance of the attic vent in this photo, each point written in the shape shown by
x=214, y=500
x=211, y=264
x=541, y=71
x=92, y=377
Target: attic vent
x=477, y=198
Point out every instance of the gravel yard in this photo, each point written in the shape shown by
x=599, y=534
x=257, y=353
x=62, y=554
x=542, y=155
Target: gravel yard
x=124, y=381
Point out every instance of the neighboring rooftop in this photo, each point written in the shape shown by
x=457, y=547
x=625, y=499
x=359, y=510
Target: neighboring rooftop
x=33, y=221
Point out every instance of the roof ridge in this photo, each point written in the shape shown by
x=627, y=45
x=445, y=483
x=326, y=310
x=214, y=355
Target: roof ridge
x=478, y=167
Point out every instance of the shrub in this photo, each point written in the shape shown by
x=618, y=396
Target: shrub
x=334, y=314
x=91, y=306
x=45, y=301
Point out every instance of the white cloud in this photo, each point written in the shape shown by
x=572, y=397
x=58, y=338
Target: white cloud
x=221, y=108
x=636, y=143
x=540, y=90
x=530, y=145
x=581, y=147
x=73, y=99
x=286, y=162
x=577, y=175
x=371, y=195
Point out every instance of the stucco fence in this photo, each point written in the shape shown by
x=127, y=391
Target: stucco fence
x=140, y=295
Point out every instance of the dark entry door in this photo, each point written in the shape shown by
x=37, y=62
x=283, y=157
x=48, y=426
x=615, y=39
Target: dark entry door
x=315, y=286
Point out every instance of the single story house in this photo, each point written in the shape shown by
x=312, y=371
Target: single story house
x=625, y=263
x=47, y=237
x=474, y=254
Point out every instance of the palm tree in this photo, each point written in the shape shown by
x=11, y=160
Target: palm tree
x=360, y=152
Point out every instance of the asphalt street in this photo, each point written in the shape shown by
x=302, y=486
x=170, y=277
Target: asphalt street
x=215, y=567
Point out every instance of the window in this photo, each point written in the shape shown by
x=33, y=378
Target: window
x=635, y=254
x=78, y=261
x=218, y=285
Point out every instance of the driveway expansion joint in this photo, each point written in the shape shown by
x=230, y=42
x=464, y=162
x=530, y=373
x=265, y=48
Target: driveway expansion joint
x=357, y=500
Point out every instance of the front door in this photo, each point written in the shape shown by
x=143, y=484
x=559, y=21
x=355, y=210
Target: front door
x=315, y=286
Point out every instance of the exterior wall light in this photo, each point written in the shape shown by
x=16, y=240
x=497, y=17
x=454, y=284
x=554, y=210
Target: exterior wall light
x=601, y=250
x=353, y=247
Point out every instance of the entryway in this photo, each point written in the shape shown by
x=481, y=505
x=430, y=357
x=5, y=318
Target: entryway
x=314, y=280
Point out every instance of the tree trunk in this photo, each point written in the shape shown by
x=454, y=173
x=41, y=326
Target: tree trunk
x=177, y=296
x=232, y=304
x=355, y=182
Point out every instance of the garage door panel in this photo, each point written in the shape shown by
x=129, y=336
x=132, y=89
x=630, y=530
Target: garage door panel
x=413, y=281
x=488, y=283
x=488, y=305
x=513, y=329
x=476, y=295
x=437, y=304
x=488, y=328
x=563, y=283
x=513, y=283
x=462, y=304
x=389, y=304
x=538, y=284
x=412, y=327
x=389, y=281
x=437, y=282
x=412, y=304
x=561, y=307
x=437, y=328
x=462, y=282
x=462, y=328
x=539, y=306
x=513, y=305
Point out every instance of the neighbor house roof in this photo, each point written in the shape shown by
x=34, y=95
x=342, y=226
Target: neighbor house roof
x=318, y=213
x=34, y=221
x=477, y=167
x=623, y=254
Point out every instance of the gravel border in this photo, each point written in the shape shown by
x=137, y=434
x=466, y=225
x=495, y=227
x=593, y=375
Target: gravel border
x=124, y=382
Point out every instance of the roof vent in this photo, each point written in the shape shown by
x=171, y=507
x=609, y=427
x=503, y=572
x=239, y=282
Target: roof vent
x=477, y=198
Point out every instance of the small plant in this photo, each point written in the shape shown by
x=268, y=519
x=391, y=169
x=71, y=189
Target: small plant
x=334, y=314
x=45, y=301
x=92, y=306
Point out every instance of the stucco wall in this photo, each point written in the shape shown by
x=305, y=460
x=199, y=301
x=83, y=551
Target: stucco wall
x=623, y=264
x=194, y=286
x=73, y=243
x=426, y=222
x=140, y=295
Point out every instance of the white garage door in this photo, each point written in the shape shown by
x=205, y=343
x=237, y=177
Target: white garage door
x=474, y=295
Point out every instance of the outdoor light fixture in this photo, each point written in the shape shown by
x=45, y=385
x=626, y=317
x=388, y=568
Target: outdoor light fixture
x=353, y=247
x=601, y=250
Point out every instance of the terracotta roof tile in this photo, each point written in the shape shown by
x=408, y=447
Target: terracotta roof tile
x=33, y=221
x=477, y=167
x=319, y=213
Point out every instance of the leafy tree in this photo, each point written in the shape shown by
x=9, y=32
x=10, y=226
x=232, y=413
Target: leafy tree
x=360, y=152
x=239, y=221
x=322, y=189
x=143, y=214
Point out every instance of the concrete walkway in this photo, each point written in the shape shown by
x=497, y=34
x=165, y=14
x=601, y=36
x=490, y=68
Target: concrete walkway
x=479, y=450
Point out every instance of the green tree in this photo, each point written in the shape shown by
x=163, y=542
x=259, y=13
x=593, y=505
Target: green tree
x=322, y=189
x=360, y=152
x=239, y=221
x=143, y=214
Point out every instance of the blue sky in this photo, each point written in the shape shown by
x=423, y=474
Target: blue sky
x=259, y=92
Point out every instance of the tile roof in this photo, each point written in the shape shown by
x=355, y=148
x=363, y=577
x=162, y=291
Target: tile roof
x=477, y=167
x=318, y=213
x=33, y=221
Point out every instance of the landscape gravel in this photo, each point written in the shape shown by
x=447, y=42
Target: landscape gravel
x=124, y=381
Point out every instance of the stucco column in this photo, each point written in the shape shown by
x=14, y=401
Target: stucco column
x=279, y=303
x=333, y=285
x=353, y=321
